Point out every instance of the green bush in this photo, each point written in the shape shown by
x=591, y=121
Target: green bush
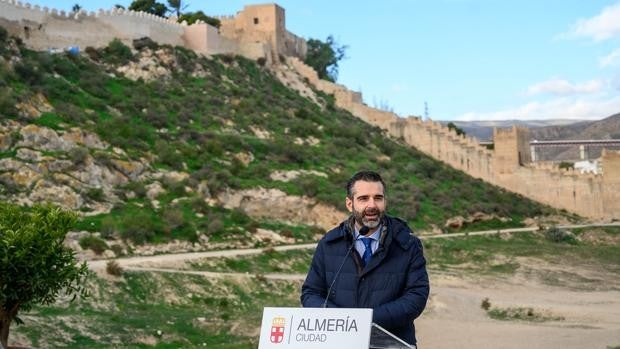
x=215, y=226
x=138, y=228
x=4, y=35
x=117, y=53
x=558, y=235
x=78, y=155
x=173, y=219
x=95, y=194
x=108, y=227
x=113, y=268
x=94, y=243
x=141, y=43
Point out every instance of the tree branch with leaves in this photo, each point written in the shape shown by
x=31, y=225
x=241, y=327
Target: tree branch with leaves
x=324, y=57
x=35, y=266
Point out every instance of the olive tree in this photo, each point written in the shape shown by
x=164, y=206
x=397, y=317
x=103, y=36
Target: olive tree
x=35, y=266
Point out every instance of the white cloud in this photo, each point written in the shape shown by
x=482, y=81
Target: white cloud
x=561, y=87
x=603, y=26
x=559, y=108
x=611, y=59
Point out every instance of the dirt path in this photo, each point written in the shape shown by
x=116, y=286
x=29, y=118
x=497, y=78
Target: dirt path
x=173, y=259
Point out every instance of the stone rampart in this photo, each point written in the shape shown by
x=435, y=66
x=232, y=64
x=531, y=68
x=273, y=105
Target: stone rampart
x=257, y=31
x=508, y=165
x=44, y=28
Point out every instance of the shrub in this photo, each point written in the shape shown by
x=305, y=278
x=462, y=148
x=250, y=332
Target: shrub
x=215, y=226
x=173, y=219
x=117, y=249
x=94, y=243
x=558, y=235
x=261, y=61
x=78, y=155
x=113, y=268
x=309, y=185
x=29, y=72
x=138, y=228
x=92, y=53
x=174, y=187
x=143, y=42
x=7, y=102
x=117, y=53
x=486, y=304
x=137, y=187
x=167, y=154
x=95, y=194
x=4, y=35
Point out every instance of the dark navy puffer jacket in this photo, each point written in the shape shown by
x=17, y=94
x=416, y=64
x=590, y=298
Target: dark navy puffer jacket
x=394, y=283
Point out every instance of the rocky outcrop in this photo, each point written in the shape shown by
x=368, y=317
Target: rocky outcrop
x=65, y=177
x=276, y=204
x=286, y=176
x=459, y=221
x=34, y=106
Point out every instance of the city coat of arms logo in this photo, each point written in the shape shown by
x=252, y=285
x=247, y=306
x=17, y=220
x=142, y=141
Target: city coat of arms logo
x=277, y=330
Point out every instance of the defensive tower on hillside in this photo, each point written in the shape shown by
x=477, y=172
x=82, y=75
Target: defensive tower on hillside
x=511, y=149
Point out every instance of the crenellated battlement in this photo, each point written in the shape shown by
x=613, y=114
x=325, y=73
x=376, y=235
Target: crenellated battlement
x=43, y=28
x=509, y=165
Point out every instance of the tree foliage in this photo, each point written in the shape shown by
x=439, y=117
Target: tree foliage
x=324, y=57
x=35, y=266
x=176, y=6
x=149, y=6
x=459, y=131
x=193, y=17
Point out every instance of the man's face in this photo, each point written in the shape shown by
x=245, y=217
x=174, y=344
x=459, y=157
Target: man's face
x=368, y=203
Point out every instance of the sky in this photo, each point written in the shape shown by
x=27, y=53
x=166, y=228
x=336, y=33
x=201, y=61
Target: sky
x=463, y=59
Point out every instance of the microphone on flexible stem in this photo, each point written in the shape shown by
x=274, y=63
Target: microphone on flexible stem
x=363, y=231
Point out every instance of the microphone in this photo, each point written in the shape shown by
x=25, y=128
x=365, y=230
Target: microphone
x=363, y=231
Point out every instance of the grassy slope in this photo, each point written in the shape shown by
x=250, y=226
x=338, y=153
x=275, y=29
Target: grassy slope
x=197, y=124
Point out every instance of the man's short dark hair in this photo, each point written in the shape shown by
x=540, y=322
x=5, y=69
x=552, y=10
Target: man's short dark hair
x=366, y=176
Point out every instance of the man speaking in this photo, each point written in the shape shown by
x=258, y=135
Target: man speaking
x=370, y=260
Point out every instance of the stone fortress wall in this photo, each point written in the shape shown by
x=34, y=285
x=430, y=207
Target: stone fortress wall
x=259, y=31
x=508, y=165
x=44, y=28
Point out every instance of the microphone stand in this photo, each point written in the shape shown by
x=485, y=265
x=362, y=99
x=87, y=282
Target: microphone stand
x=363, y=231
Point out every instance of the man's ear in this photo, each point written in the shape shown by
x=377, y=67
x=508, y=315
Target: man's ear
x=349, y=204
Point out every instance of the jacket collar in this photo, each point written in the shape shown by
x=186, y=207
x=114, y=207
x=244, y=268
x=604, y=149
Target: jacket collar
x=393, y=229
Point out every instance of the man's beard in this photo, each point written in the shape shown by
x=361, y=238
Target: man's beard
x=360, y=217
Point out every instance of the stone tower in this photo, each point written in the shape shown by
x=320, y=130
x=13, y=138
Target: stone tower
x=611, y=183
x=511, y=149
x=258, y=23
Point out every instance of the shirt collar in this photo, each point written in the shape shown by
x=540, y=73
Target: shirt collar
x=374, y=236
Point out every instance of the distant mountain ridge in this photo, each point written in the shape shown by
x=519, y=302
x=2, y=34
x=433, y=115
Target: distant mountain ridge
x=608, y=128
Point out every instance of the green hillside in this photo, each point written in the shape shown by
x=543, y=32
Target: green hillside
x=200, y=116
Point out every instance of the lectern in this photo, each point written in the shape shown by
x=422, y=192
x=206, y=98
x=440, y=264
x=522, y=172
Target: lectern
x=310, y=328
